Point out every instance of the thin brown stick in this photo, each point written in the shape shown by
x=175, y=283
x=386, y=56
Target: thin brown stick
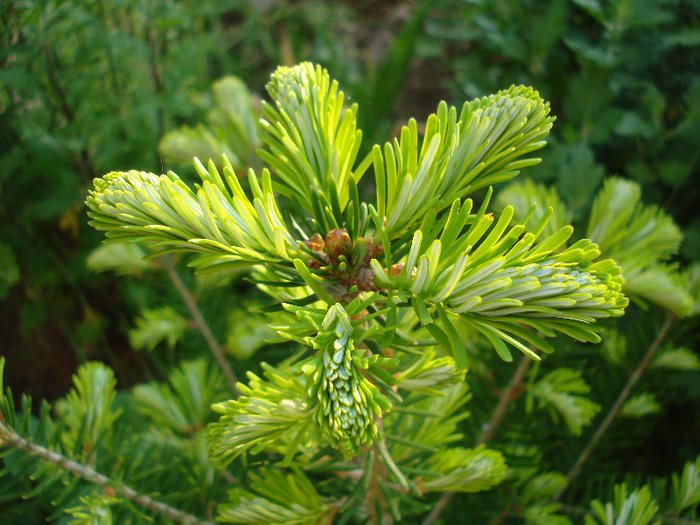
x=507, y=396
x=201, y=323
x=504, y=401
x=443, y=502
x=11, y=438
x=615, y=409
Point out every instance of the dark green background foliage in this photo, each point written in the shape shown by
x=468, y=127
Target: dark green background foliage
x=92, y=86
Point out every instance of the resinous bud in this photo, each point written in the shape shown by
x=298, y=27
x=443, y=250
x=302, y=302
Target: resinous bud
x=338, y=243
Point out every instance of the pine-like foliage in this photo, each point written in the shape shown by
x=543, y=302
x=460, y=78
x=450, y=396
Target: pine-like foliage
x=420, y=254
x=375, y=279
x=382, y=301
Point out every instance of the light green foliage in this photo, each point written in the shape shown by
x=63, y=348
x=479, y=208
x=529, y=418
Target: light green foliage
x=635, y=508
x=641, y=239
x=95, y=509
x=277, y=498
x=345, y=401
x=676, y=359
x=155, y=326
x=465, y=470
x=184, y=404
x=522, y=195
x=507, y=279
x=220, y=222
x=429, y=424
x=544, y=486
x=230, y=129
x=122, y=258
x=561, y=393
x=425, y=373
x=313, y=139
x=686, y=487
x=246, y=334
x=428, y=253
x=545, y=515
x=640, y=405
x=457, y=156
x=268, y=415
x=88, y=410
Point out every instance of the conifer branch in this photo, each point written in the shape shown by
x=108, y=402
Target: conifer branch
x=201, y=323
x=617, y=405
x=354, y=280
x=11, y=438
x=489, y=428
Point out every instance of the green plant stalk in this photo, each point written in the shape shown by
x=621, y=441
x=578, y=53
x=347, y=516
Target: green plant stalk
x=615, y=409
x=201, y=323
x=11, y=438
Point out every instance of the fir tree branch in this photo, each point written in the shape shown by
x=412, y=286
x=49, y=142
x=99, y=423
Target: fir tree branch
x=201, y=323
x=11, y=438
x=615, y=409
x=499, y=412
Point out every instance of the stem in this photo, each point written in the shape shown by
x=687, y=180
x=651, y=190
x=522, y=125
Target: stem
x=201, y=324
x=443, y=502
x=615, y=409
x=507, y=396
x=11, y=438
x=374, y=493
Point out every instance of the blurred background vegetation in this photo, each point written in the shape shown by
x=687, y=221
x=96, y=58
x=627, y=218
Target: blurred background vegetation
x=91, y=86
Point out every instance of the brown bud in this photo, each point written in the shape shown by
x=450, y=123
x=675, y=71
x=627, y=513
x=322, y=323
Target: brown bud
x=315, y=243
x=338, y=243
x=396, y=268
